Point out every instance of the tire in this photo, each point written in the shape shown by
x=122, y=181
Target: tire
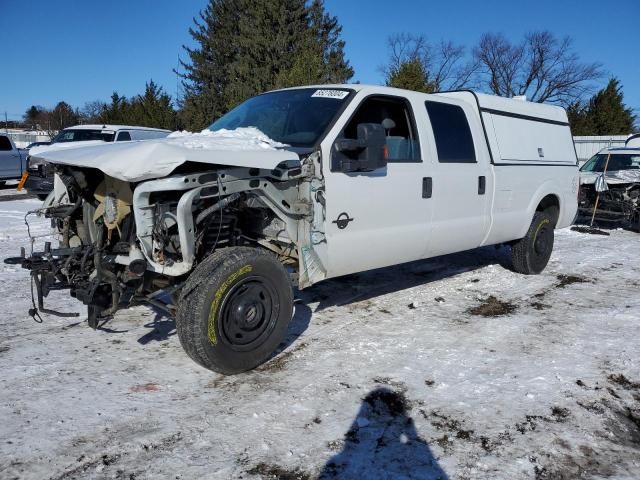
x=531, y=254
x=234, y=310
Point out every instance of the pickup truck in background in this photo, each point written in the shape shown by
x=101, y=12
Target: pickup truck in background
x=40, y=178
x=293, y=187
x=12, y=159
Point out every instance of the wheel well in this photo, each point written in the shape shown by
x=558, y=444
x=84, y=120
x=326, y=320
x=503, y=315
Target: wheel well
x=551, y=203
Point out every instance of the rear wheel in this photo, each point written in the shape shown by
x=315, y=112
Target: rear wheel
x=234, y=310
x=531, y=254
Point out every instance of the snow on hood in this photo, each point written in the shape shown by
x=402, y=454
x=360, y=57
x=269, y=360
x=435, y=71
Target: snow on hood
x=613, y=177
x=147, y=159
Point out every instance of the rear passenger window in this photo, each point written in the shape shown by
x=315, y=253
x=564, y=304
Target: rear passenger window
x=123, y=137
x=5, y=144
x=396, y=117
x=452, y=133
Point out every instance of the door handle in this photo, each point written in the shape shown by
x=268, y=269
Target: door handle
x=427, y=187
x=482, y=184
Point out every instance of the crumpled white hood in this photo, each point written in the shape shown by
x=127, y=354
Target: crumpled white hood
x=142, y=160
x=64, y=146
x=613, y=177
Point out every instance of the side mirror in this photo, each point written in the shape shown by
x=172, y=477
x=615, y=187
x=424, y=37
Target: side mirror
x=365, y=154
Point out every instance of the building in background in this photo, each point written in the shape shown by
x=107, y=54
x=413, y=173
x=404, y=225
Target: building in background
x=22, y=137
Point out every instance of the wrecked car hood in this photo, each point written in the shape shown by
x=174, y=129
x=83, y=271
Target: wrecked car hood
x=64, y=145
x=613, y=177
x=147, y=159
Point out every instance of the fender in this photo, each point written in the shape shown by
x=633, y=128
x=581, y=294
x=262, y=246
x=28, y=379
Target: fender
x=549, y=187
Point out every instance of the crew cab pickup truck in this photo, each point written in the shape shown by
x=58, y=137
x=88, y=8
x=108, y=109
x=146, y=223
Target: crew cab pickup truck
x=293, y=187
x=12, y=159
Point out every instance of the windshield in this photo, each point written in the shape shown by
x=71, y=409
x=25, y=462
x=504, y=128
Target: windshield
x=82, y=135
x=616, y=162
x=295, y=117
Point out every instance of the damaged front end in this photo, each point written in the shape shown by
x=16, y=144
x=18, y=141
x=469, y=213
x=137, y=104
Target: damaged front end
x=619, y=204
x=91, y=215
x=125, y=243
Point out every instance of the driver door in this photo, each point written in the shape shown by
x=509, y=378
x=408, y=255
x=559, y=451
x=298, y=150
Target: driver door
x=381, y=217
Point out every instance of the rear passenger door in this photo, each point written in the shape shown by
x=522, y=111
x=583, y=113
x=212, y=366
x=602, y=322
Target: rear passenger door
x=461, y=177
x=377, y=218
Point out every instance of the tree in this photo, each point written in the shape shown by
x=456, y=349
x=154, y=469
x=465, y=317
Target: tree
x=410, y=75
x=92, y=112
x=542, y=67
x=117, y=112
x=151, y=109
x=444, y=64
x=34, y=116
x=246, y=47
x=604, y=114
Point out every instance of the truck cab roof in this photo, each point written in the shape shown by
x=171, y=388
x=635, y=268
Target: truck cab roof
x=516, y=106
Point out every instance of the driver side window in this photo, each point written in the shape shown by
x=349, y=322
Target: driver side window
x=396, y=117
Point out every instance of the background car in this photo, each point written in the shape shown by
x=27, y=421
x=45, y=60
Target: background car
x=40, y=180
x=618, y=198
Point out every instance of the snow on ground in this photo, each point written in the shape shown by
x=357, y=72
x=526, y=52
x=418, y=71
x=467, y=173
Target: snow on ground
x=386, y=374
x=8, y=192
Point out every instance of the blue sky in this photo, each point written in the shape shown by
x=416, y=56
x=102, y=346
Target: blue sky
x=79, y=51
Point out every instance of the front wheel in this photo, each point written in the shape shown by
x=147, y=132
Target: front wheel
x=531, y=254
x=234, y=310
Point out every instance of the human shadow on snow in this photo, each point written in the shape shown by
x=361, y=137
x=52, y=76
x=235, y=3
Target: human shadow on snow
x=163, y=326
x=358, y=287
x=383, y=443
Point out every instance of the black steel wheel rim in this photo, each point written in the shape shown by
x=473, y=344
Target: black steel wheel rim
x=542, y=241
x=248, y=313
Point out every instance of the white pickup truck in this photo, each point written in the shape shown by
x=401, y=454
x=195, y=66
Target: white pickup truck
x=12, y=159
x=293, y=187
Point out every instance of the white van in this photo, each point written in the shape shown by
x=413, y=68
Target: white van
x=39, y=182
x=107, y=133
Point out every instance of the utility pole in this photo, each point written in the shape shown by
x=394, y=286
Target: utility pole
x=6, y=123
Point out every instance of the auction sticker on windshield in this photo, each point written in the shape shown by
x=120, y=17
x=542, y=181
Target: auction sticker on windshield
x=337, y=94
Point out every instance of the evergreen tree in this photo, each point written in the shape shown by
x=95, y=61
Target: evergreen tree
x=117, y=111
x=246, y=47
x=604, y=114
x=63, y=116
x=33, y=115
x=151, y=109
x=410, y=75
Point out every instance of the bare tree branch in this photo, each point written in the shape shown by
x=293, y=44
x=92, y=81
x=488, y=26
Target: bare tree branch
x=446, y=64
x=542, y=67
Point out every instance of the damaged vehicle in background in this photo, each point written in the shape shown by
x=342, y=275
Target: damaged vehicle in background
x=293, y=187
x=610, y=184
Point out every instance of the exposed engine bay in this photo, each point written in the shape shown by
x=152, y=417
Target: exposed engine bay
x=619, y=204
x=123, y=243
